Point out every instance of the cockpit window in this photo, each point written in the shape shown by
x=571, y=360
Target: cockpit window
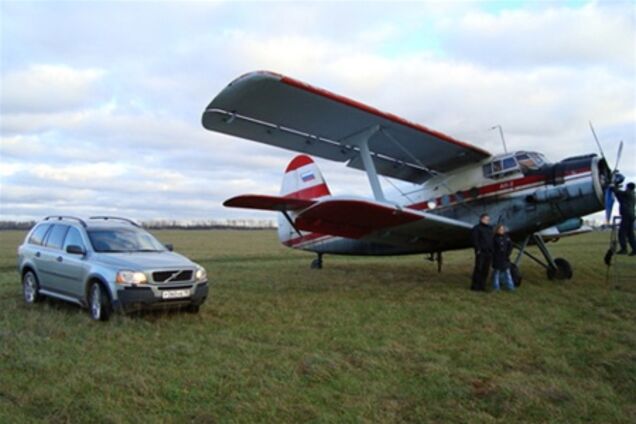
x=501, y=167
x=530, y=160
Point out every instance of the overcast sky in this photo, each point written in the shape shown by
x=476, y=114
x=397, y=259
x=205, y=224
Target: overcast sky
x=101, y=102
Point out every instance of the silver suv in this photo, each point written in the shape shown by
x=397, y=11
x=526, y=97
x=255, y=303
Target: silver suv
x=107, y=264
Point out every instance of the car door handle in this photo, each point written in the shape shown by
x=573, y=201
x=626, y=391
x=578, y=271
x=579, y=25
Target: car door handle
x=37, y=254
x=59, y=259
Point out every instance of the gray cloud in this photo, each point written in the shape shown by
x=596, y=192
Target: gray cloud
x=101, y=103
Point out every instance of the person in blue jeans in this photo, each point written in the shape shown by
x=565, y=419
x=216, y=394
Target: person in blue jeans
x=502, y=247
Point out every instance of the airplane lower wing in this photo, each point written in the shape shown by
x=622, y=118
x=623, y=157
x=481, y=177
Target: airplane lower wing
x=361, y=220
x=381, y=223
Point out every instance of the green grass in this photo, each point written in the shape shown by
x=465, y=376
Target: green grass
x=364, y=339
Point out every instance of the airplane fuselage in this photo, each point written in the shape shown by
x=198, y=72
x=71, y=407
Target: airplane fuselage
x=519, y=189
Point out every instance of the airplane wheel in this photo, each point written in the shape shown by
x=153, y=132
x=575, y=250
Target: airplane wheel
x=516, y=275
x=316, y=264
x=564, y=269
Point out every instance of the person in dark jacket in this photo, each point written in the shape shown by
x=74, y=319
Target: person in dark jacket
x=501, y=249
x=626, y=229
x=482, y=242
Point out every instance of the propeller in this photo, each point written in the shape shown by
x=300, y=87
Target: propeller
x=615, y=177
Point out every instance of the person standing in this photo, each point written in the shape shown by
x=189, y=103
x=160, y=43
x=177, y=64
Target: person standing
x=482, y=242
x=502, y=247
x=626, y=229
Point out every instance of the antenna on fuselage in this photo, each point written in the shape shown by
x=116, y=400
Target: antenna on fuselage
x=503, y=139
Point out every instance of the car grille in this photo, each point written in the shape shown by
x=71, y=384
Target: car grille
x=171, y=276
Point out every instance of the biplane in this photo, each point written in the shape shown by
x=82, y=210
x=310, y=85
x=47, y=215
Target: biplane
x=454, y=181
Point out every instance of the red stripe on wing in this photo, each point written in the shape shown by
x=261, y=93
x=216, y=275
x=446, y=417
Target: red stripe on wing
x=377, y=112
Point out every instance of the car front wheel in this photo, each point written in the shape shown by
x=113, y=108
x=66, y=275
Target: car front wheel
x=98, y=302
x=30, y=288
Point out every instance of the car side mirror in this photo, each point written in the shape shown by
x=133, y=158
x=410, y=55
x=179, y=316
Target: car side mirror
x=74, y=249
x=169, y=246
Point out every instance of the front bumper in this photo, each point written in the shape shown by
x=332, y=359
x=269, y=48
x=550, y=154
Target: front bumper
x=143, y=297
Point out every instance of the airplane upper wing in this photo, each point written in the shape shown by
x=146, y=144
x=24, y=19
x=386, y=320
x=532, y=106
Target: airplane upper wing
x=284, y=112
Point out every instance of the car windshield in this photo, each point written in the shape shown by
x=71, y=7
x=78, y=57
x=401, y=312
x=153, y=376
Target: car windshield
x=123, y=240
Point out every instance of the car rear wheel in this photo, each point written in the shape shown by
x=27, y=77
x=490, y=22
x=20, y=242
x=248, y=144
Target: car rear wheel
x=30, y=288
x=98, y=302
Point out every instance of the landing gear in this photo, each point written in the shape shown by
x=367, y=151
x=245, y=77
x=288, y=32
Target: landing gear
x=563, y=270
x=436, y=257
x=556, y=269
x=317, y=263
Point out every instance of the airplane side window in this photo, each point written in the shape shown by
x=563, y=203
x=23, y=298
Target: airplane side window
x=496, y=167
x=509, y=163
x=487, y=170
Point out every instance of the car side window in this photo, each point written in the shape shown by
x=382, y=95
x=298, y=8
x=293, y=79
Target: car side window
x=73, y=237
x=55, y=239
x=38, y=234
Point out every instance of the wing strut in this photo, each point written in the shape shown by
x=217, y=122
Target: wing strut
x=291, y=222
x=361, y=141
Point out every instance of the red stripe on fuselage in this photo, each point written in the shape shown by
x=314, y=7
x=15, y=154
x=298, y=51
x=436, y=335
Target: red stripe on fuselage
x=519, y=183
x=302, y=239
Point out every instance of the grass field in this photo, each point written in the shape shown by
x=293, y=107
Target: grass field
x=363, y=340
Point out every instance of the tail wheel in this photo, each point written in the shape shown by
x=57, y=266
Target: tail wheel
x=30, y=288
x=563, y=270
x=98, y=302
x=516, y=275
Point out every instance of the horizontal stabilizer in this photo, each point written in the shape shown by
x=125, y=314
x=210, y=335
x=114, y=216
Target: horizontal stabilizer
x=268, y=203
x=351, y=218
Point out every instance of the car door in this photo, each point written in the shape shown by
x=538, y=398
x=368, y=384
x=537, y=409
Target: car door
x=35, y=248
x=73, y=268
x=52, y=259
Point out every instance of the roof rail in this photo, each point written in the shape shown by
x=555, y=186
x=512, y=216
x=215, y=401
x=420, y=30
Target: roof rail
x=119, y=218
x=61, y=217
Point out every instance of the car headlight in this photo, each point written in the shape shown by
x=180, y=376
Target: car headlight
x=131, y=277
x=200, y=274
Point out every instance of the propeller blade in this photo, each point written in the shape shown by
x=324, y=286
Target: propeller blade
x=598, y=143
x=618, y=155
x=609, y=204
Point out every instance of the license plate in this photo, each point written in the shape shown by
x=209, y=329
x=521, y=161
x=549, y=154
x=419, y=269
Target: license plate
x=175, y=294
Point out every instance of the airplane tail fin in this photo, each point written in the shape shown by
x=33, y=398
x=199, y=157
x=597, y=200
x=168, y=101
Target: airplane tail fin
x=302, y=180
